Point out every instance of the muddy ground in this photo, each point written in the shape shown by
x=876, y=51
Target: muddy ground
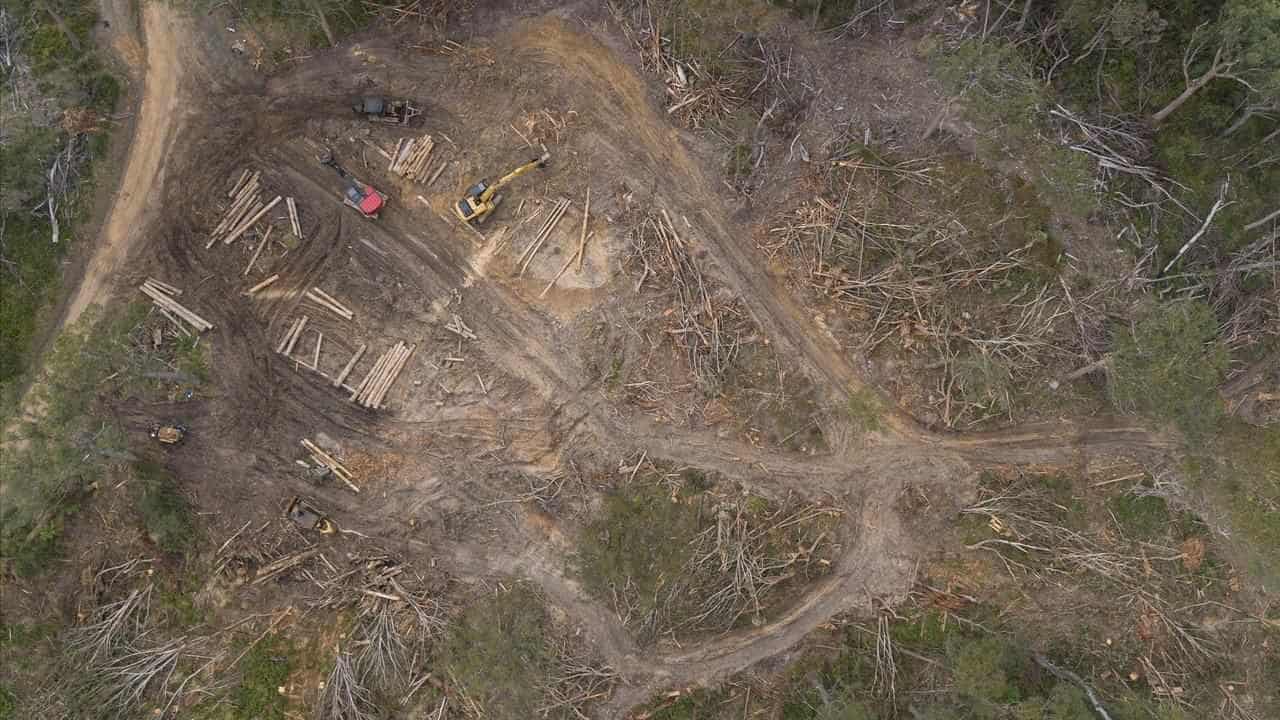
x=470, y=419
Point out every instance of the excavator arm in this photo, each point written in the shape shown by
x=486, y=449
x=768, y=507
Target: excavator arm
x=492, y=190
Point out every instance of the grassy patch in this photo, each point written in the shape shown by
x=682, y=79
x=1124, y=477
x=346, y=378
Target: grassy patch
x=166, y=514
x=639, y=544
x=262, y=672
x=1140, y=516
x=700, y=704
x=1004, y=96
x=864, y=410
x=498, y=652
x=1240, y=473
x=1169, y=366
x=65, y=79
x=8, y=704
x=73, y=443
x=655, y=554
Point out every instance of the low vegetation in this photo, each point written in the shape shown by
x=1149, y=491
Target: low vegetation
x=55, y=105
x=676, y=555
x=54, y=461
x=166, y=514
x=506, y=658
x=1169, y=365
x=1025, y=624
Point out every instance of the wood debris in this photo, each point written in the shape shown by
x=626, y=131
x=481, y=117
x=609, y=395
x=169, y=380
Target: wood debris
x=267, y=572
x=337, y=468
x=459, y=328
x=411, y=157
x=327, y=301
x=162, y=295
x=291, y=336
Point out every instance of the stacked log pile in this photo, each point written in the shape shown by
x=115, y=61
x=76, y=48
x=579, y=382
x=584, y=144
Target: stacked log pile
x=411, y=157
x=373, y=389
x=247, y=208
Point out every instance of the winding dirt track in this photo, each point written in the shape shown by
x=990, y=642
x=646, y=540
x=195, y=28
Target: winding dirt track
x=867, y=475
x=159, y=120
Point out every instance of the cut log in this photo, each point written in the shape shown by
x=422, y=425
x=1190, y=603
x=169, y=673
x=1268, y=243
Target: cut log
x=296, y=334
x=548, y=227
x=164, y=287
x=292, y=205
x=436, y=174
x=249, y=268
x=582, y=242
x=333, y=301
x=165, y=301
x=370, y=377
x=375, y=387
x=355, y=358
x=315, y=362
x=236, y=188
x=267, y=572
x=288, y=335
x=339, y=470
x=263, y=284
x=375, y=375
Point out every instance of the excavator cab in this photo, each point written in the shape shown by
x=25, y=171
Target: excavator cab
x=482, y=198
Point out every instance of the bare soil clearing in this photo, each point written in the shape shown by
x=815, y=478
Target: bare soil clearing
x=467, y=415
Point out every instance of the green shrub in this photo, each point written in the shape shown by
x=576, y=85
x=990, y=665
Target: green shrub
x=8, y=704
x=264, y=669
x=864, y=410
x=498, y=652
x=1142, y=516
x=642, y=538
x=166, y=514
x=980, y=668
x=1170, y=365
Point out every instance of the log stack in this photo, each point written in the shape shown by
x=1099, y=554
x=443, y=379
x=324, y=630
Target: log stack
x=372, y=390
x=247, y=208
x=162, y=295
x=411, y=156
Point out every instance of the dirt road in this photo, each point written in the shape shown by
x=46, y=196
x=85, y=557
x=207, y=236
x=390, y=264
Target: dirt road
x=160, y=116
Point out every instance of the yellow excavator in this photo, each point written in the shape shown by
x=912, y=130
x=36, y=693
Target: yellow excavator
x=482, y=198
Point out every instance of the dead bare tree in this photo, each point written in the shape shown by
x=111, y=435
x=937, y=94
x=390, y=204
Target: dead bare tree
x=345, y=697
x=1222, y=66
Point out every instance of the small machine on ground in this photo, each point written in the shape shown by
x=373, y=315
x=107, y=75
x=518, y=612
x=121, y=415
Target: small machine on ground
x=308, y=518
x=482, y=198
x=387, y=110
x=168, y=434
x=364, y=198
